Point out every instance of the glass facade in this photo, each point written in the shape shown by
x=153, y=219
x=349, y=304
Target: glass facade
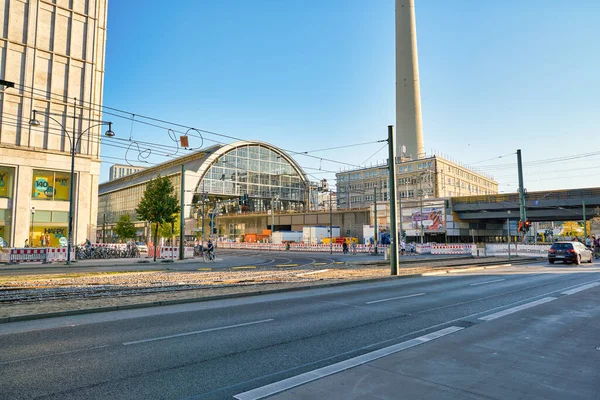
x=258, y=172
x=50, y=185
x=7, y=177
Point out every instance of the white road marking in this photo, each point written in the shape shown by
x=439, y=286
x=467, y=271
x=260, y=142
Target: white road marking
x=486, y=282
x=53, y=354
x=196, y=332
x=581, y=288
x=277, y=387
x=517, y=308
x=394, y=298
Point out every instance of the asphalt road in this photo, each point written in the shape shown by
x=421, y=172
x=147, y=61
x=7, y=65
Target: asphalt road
x=217, y=349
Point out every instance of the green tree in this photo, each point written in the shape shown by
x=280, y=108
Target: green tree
x=124, y=228
x=158, y=204
x=170, y=227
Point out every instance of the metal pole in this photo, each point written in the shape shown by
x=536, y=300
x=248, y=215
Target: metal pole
x=392, y=185
x=375, y=217
x=272, y=218
x=523, y=212
x=421, y=198
x=103, y=228
x=31, y=238
x=330, y=226
x=71, y=187
x=584, y=223
x=182, y=215
x=508, y=235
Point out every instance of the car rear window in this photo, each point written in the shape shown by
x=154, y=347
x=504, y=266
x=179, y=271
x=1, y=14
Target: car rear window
x=562, y=246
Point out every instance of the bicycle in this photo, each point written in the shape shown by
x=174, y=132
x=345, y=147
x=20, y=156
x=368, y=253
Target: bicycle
x=208, y=255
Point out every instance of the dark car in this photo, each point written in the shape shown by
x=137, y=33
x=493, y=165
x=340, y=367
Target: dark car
x=574, y=252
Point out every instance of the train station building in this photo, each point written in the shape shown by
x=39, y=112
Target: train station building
x=246, y=177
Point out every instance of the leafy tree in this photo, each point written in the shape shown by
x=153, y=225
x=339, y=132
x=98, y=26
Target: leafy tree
x=170, y=227
x=124, y=227
x=571, y=228
x=158, y=204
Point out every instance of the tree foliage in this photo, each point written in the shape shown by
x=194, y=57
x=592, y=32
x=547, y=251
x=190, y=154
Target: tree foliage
x=159, y=204
x=571, y=228
x=125, y=228
x=169, y=228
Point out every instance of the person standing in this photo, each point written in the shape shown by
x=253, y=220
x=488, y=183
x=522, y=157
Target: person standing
x=402, y=247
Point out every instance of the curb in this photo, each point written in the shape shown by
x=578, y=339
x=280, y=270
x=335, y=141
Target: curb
x=30, y=317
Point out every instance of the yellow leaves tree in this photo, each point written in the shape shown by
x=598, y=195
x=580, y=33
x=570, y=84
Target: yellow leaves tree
x=572, y=228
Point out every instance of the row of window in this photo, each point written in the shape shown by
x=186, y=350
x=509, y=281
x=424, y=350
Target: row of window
x=46, y=185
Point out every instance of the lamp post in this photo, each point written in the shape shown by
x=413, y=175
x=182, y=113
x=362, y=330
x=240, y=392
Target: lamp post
x=375, y=218
x=31, y=238
x=273, y=199
x=74, y=140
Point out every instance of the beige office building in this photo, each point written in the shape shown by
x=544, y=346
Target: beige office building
x=430, y=177
x=53, y=52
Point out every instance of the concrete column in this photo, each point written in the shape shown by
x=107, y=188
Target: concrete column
x=409, y=129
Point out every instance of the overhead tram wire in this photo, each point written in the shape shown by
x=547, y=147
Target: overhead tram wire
x=63, y=97
x=57, y=131
x=60, y=133
x=373, y=155
x=121, y=143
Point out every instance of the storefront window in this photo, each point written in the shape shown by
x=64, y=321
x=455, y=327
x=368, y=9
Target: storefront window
x=7, y=176
x=4, y=227
x=50, y=185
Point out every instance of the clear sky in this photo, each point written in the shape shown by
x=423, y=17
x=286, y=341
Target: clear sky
x=496, y=75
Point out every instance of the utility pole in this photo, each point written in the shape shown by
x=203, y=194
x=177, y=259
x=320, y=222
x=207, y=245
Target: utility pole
x=585, y=235
x=392, y=184
x=182, y=215
x=508, y=235
x=421, y=198
x=330, y=226
x=375, y=217
x=523, y=212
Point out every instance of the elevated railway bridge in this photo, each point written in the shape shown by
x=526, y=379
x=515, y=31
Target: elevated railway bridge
x=552, y=205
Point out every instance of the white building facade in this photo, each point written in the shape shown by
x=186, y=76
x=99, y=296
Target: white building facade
x=53, y=52
x=117, y=171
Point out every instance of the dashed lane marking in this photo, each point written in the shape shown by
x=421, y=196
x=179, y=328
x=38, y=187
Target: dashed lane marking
x=517, y=308
x=197, y=332
x=245, y=267
x=287, y=265
x=294, y=381
x=395, y=298
x=486, y=282
x=581, y=288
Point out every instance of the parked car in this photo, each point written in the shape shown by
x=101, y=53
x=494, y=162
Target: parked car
x=574, y=252
x=141, y=247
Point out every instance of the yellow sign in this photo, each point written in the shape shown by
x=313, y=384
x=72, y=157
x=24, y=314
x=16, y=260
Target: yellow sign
x=6, y=179
x=49, y=185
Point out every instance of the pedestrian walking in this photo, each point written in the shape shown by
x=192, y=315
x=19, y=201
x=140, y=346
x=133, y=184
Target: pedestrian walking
x=403, y=248
x=412, y=248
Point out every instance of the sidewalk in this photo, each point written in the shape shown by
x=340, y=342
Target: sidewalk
x=550, y=351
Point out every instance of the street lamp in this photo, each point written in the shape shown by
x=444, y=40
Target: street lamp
x=31, y=238
x=74, y=140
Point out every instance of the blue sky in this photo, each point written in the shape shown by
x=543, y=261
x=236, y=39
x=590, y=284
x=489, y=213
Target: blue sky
x=313, y=74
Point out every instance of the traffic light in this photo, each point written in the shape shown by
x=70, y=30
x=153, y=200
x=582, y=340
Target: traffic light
x=246, y=199
x=241, y=200
x=527, y=225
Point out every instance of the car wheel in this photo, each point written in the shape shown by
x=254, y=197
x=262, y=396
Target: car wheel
x=551, y=261
x=578, y=259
